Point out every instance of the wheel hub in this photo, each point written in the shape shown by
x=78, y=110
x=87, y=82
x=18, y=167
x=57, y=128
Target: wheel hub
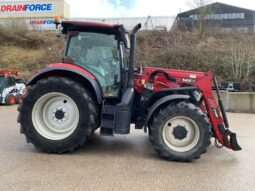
x=180, y=132
x=60, y=114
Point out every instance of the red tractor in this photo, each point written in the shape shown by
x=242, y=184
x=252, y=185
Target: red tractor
x=97, y=86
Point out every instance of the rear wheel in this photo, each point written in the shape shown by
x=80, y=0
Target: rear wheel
x=58, y=115
x=10, y=99
x=180, y=132
x=18, y=98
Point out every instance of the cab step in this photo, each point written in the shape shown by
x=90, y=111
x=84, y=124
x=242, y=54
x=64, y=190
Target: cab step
x=107, y=120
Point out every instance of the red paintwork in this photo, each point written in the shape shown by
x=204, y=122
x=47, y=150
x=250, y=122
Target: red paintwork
x=74, y=67
x=9, y=72
x=199, y=79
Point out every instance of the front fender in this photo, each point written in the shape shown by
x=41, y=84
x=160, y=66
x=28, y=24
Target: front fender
x=62, y=69
x=161, y=102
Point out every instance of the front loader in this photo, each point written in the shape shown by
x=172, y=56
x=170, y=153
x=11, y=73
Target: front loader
x=97, y=86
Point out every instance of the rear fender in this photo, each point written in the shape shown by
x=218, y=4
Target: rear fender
x=73, y=72
x=163, y=101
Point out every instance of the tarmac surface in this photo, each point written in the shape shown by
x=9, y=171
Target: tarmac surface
x=123, y=163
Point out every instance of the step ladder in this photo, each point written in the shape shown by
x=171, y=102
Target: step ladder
x=107, y=120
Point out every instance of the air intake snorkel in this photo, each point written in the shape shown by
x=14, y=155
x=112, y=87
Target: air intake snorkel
x=132, y=55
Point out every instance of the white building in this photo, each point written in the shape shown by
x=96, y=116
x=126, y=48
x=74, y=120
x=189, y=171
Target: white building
x=148, y=23
x=36, y=14
x=39, y=14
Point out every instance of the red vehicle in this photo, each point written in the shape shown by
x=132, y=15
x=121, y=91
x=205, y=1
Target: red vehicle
x=97, y=86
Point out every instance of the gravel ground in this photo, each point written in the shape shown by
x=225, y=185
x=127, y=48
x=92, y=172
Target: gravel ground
x=123, y=163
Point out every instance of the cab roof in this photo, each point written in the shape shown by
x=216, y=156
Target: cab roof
x=87, y=26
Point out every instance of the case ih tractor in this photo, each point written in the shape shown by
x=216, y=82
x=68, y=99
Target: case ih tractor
x=11, y=89
x=97, y=86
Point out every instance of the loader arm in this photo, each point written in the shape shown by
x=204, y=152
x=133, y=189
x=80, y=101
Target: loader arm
x=180, y=81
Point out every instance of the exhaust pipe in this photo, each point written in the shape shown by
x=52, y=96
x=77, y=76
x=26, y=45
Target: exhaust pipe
x=132, y=55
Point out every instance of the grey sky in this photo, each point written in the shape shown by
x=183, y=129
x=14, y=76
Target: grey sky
x=136, y=8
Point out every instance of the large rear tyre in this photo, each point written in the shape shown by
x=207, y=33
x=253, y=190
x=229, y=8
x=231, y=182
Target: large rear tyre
x=180, y=132
x=57, y=115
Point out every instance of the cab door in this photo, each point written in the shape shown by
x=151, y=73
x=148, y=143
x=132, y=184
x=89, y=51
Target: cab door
x=100, y=55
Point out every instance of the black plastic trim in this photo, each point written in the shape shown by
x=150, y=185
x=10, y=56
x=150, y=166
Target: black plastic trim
x=233, y=141
x=221, y=128
x=179, y=89
x=162, y=101
x=223, y=112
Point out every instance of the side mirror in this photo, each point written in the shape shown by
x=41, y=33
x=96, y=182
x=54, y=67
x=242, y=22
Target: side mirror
x=139, y=70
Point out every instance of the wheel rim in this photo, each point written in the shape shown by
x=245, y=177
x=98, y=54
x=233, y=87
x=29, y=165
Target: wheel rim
x=12, y=99
x=181, y=134
x=55, y=116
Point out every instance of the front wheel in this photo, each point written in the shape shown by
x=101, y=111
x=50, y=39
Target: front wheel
x=57, y=115
x=18, y=98
x=10, y=99
x=180, y=132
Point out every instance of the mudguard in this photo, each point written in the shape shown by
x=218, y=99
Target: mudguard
x=71, y=69
x=159, y=103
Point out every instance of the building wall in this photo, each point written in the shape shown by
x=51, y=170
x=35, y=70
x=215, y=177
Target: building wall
x=148, y=23
x=35, y=14
x=33, y=9
x=222, y=16
x=239, y=101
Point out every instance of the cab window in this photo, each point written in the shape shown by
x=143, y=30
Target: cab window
x=99, y=54
x=10, y=82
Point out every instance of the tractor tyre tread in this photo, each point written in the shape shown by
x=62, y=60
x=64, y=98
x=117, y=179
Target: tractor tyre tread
x=84, y=129
x=157, y=123
x=7, y=99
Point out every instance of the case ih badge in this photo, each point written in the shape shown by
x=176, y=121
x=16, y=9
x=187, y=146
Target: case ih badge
x=11, y=89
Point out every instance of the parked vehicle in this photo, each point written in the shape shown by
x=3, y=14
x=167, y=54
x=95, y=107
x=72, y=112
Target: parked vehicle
x=11, y=89
x=230, y=86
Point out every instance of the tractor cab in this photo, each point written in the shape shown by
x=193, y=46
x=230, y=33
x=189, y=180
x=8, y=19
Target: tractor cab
x=99, y=49
x=7, y=79
x=6, y=82
x=2, y=83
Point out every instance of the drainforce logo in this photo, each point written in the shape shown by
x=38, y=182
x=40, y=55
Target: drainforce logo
x=41, y=22
x=26, y=8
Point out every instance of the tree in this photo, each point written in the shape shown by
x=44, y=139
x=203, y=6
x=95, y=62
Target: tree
x=242, y=61
x=201, y=11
